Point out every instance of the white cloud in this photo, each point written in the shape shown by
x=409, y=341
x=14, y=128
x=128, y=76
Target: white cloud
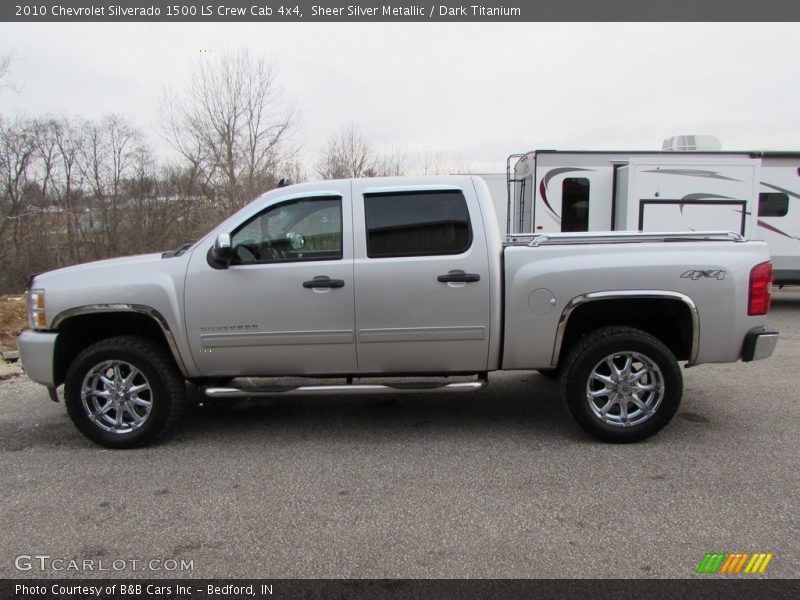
x=477, y=92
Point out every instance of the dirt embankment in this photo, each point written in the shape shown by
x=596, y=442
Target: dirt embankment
x=12, y=320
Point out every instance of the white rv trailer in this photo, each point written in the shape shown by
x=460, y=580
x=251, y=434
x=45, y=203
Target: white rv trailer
x=755, y=194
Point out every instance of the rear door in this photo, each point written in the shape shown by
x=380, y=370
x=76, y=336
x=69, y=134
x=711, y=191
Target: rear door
x=421, y=275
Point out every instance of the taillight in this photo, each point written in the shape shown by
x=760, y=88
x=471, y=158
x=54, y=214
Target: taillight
x=760, y=289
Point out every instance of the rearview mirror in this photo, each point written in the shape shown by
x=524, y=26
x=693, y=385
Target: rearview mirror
x=222, y=252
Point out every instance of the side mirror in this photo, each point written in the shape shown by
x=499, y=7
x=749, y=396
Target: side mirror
x=222, y=252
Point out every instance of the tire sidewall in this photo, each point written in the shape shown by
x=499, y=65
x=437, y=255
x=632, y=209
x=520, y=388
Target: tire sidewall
x=587, y=359
x=120, y=351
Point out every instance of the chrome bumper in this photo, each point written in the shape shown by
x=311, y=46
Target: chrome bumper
x=759, y=343
x=36, y=352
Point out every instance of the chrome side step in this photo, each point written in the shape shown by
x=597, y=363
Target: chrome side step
x=327, y=390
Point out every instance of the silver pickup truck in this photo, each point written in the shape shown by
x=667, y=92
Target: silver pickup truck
x=381, y=281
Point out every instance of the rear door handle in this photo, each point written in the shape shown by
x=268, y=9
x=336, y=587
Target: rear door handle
x=323, y=281
x=458, y=276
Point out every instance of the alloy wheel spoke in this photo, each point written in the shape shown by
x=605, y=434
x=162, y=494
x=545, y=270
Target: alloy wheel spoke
x=128, y=381
x=626, y=369
x=137, y=419
x=640, y=387
x=136, y=401
x=616, y=374
x=623, y=411
x=604, y=379
x=612, y=400
x=639, y=375
x=138, y=388
x=641, y=405
x=103, y=409
x=600, y=393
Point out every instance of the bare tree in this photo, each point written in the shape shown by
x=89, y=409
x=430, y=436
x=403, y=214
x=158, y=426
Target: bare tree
x=110, y=149
x=17, y=154
x=231, y=126
x=349, y=154
x=5, y=63
x=68, y=182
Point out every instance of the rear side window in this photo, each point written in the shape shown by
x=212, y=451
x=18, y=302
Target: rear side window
x=773, y=204
x=575, y=204
x=417, y=223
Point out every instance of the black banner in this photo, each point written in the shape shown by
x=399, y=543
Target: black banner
x=402, y=589
x=396, y=11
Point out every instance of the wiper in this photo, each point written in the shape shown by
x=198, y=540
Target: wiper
x=178, y=251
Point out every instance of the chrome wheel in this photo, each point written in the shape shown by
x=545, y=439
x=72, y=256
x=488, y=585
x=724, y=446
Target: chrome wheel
x=625, y=389
x=116, y=396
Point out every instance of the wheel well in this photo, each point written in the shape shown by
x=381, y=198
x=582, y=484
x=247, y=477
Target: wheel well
x=669, y=320
x=81, y=331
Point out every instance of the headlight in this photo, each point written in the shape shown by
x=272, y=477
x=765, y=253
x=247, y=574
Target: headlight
x=36, y=313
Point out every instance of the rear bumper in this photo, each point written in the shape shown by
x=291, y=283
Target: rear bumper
x=37, y=352
x=759, y=343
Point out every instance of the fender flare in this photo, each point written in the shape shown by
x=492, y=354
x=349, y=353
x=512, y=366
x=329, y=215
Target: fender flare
x=627, y=295
x=142, y=309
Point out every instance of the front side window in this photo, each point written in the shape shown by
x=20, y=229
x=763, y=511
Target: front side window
x=417, y=223
x=575, y=204
x=303, y=229
x=773, y=204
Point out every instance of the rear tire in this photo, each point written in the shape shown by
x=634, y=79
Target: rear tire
x=621, y=384
x=124, y=392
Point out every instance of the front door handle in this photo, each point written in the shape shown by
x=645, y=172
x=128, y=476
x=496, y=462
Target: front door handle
x=458, y=276
x=323, y=281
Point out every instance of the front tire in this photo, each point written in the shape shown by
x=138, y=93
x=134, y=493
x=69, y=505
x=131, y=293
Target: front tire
x=124, y=392
x=621, y=384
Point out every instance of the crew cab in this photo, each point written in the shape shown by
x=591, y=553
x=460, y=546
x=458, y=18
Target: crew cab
x=389, y=278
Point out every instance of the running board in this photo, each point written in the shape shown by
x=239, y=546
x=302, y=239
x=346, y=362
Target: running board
x=326, y=390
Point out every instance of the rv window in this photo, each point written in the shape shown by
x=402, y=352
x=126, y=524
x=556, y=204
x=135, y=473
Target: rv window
x=773, y=204
x=417, y=223
x=575, y=204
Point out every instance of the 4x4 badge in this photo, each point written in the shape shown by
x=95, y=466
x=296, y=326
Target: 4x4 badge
x=696, y=274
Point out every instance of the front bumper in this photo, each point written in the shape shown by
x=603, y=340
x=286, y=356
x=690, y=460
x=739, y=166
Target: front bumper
x=759, y=343
x=37, y=351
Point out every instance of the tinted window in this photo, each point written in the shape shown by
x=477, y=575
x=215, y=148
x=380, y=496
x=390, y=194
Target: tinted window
x=575, y=204
x=773, y=204
x=304, y=229
x=416, y=224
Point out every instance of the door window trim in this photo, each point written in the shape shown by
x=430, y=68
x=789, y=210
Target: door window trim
x=417, y=191
x=291, y=200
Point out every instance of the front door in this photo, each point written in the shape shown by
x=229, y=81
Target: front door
x=285, y=304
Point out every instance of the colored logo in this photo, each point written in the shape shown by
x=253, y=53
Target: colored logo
x=735, y=562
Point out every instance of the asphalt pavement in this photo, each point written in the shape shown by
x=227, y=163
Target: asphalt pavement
x=494, y=484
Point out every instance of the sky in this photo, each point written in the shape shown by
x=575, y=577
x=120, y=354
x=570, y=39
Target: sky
x=473, y=93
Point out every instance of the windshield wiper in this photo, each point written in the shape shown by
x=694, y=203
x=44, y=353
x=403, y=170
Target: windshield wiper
x=178, y=251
